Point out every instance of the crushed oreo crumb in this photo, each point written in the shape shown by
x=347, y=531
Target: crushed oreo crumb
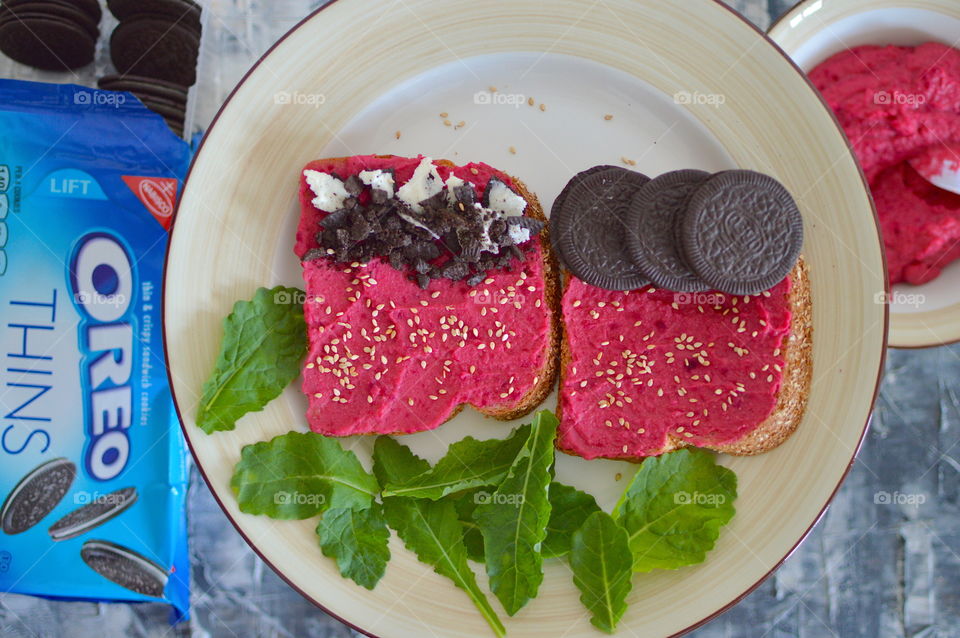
x=454, y=237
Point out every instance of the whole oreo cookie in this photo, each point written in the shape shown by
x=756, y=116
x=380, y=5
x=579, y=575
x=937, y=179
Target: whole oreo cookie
x=91, y=515
x=588, y=226
x=47, y=43
x=50, y=9
x=652, y=238
x=125, y=567
x=157, y=49
x=36, y=495
x=90, y=8
x=742, y=233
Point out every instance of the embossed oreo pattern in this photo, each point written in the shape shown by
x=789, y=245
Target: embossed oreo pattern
x=91, y=515
x=652, y=240
x=36, y=495
x=742, y=232
x=588, y=226
x=125, y=567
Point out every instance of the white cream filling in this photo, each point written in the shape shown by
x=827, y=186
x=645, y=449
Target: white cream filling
x=452, y=183
x=330, y=191
x=423, y=184
x=503, y=200
x=382, y=180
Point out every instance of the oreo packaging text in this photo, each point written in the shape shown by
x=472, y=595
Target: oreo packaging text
x=94, y=468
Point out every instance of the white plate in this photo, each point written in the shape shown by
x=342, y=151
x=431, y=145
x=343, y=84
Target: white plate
x=682, y=91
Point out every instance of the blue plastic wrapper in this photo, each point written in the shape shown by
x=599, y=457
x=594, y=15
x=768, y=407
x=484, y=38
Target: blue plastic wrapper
x=93, y=467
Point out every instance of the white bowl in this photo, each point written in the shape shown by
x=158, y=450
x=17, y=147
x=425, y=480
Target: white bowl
x=814, y=30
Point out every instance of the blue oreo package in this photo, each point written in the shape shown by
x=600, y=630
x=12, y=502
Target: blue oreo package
x=93, y=467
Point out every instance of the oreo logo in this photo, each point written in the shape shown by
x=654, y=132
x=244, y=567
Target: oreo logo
x=102, y=282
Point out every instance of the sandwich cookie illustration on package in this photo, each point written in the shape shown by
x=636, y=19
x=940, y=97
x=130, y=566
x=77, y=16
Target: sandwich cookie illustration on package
x=94, y=474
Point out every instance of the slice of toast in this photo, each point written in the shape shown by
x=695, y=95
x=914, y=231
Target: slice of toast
x=611, y=439
x=417, y=357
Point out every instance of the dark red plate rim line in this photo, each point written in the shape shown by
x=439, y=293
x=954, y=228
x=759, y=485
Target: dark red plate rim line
x=738, y=598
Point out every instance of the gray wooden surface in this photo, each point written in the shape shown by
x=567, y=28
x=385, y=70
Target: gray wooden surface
x=869, y=569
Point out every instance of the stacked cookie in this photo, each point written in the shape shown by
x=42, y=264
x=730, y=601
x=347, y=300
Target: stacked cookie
x=53, y=35
x=737, y=231
x=155, y=49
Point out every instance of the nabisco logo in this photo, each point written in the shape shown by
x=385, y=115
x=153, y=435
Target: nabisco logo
x=159, y=202
x=157, y=194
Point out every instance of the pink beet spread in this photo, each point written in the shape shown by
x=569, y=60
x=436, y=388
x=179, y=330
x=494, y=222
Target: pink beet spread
x=388, y=357
x=895, y=103
x=647, y=364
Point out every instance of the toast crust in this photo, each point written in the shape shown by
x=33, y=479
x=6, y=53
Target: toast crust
x=797, y=352
x=547, y=375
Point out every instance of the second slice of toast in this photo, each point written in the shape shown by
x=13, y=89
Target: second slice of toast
x=726, y=373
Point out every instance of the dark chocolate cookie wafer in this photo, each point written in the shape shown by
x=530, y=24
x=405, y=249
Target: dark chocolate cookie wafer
x=36, y=495
x=157, y=49
x=51, y=44
x=164, y=108
x=182, y=12
x=742, y=233
x=142, y=85
x=90, y=8
x=588, y=227
x=50, y=9
x=99, y=511
x=125, y=567
x=655, y=213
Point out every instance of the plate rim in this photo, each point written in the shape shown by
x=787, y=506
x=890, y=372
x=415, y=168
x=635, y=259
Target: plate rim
x=929, y=339
x=699, y=623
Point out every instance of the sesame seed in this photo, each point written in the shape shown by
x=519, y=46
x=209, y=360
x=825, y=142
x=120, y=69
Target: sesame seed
x=608, y=117
x=531, y=101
